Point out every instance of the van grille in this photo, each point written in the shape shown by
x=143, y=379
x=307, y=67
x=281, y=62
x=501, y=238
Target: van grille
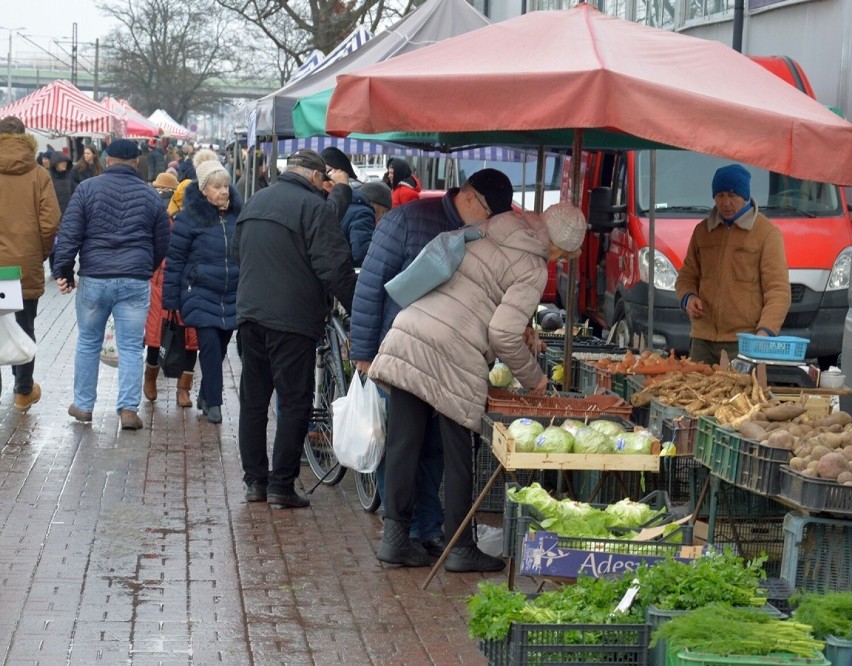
x=797, y=292
x=798, y=319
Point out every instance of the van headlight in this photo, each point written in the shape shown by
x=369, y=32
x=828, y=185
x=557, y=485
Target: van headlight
x=839, y=276
x=664, y=271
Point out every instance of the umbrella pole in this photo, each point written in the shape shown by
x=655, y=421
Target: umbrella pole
x=570, y=293
x=652, y=218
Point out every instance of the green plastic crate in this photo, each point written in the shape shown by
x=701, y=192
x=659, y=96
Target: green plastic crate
x=704, y=439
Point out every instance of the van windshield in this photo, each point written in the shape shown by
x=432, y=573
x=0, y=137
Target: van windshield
x=683, y=188
x=522, y=176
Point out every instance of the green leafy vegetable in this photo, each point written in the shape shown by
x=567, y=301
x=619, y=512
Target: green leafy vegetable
x=721, y=630
x=829, y=614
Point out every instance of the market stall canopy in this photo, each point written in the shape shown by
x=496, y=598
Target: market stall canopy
x=136, y=126
x=535, y=78
x=433, y=21
x=169, y=126
x=356, y=39
x=61, y=109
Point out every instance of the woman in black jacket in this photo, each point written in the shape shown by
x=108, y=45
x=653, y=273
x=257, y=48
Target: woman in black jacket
x=201, y=276
x=87, y=166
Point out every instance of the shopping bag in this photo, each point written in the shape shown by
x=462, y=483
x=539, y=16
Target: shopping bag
x=172, y=347
x=358, y=432
x=16, y=347
x=109, y=352
x=433, y=266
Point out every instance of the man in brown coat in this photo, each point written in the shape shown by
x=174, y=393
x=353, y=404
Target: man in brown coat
x=29, y=220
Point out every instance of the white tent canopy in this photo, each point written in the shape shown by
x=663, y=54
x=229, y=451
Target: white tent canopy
x=170, y=127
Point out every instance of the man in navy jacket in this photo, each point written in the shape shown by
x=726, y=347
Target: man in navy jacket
x=118, y=226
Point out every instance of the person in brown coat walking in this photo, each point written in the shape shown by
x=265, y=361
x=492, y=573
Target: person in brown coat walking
x=29, y=220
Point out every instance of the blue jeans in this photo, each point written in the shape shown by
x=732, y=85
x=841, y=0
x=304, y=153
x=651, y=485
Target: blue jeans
x=427, y=520
x=127, y=300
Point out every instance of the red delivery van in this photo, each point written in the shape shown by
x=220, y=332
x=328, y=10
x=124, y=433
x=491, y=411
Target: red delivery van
x=612, y=287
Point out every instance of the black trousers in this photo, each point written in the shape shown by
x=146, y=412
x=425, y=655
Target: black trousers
x=283, y=362
x=24, y=373
x=408, y=417
x=212, y=349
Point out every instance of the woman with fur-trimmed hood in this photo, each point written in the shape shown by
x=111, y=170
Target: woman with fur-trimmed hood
x=201, y=276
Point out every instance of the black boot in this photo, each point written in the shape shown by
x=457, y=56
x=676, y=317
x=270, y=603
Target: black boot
x=470, y=558
x=397, y=548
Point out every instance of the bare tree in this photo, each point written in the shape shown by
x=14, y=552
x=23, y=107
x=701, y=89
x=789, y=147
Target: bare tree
x=297, y=27
x=167, y=53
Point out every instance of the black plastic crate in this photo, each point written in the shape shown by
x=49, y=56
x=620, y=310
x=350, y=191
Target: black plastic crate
x=760, y=467
x=681, y=431
x=682, y=477
x=569, y=644
x=815, y=495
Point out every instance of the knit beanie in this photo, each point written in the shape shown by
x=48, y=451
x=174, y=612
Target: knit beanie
x=732, y=178
x=378, y=193
x=207, y=169
x=204, y=155
x=566, y=226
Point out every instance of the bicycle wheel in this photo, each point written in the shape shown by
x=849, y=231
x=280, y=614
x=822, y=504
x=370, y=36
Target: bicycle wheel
x=331, y=384
x=368, y=492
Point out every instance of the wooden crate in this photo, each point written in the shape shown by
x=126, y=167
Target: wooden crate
x=818, y=406
x=503, y=446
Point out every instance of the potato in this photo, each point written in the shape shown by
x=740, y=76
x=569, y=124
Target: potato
x=798, y=464
x=750, y=430
x=839, y=418
x=786, y=412
x=835, y=427
x=844, y=477
x=773, y=426
x=780, y=439
x=812, y=466
x=830, y=440
x=831, y=465
x=819, y=451
x=809, y=472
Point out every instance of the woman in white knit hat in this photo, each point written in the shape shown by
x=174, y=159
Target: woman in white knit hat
x=201, y=277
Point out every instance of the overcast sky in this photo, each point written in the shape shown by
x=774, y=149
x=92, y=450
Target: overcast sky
x=51, y=19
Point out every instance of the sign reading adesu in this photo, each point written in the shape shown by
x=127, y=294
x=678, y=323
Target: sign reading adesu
x=542, y=555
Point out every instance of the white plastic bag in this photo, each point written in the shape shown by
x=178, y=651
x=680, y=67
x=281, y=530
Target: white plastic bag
x=16, y=347
x=358, y=433
x=109, y=352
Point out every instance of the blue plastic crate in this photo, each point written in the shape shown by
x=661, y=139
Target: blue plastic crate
x=779, y=348
x=817, y=554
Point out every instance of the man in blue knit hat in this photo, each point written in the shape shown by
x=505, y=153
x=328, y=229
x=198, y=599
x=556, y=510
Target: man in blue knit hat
x=734, y=277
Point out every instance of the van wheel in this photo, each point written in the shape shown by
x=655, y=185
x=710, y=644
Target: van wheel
x=622, y=333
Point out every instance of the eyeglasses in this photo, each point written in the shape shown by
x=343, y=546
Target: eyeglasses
x=482, y=203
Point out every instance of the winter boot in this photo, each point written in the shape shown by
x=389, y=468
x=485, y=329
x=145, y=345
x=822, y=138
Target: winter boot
x=183, y=385
x=398, y=548
x=149, y=388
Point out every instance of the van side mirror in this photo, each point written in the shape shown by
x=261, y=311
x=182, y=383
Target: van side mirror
x=603, y=216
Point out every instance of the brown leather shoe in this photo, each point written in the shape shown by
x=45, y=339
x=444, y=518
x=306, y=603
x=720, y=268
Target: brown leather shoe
x=183, y=385
x=79, y=414
x=149, y=387
x=24, y=402
x=129, y=420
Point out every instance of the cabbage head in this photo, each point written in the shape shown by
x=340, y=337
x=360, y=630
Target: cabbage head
x=591, y=441
x=524, y=432
x=554, y=439
x=500, y=375
x=572, y=425
x=631, y=514
x=606, y=427
x=634, y=443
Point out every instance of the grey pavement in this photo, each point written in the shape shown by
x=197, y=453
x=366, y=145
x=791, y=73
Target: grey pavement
x=123, y=547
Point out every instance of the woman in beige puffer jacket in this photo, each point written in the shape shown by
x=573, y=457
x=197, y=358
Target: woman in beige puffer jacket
x=436, y=357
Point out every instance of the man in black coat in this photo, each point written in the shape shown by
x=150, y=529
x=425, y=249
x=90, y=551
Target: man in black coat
x=156, y=159
x=293, y=259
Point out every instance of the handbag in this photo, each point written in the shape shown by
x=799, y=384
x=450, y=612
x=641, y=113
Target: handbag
x=16, y=347
x=172, y=347
x=109, y=352
x=433, y=266
x=358, y=426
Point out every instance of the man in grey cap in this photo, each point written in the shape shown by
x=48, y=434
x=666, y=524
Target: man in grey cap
x=293, y=259
x=117, y=224
x=396, y=242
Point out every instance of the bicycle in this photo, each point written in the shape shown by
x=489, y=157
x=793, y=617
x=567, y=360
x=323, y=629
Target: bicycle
x=331, y=381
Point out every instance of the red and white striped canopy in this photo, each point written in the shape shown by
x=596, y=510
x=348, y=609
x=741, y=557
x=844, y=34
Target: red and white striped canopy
x=62, y=109
x=171, y=127
x=136, y=125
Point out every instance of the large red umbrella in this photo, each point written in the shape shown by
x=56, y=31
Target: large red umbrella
x=536, y=78
x=62, y=109
x=136, y=125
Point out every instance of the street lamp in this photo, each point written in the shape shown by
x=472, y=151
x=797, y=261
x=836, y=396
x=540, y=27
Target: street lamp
x=9, y=63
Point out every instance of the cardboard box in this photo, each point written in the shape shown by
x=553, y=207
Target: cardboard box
x=11, y=296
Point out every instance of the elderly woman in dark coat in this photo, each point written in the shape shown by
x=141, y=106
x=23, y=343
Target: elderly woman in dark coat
x=201, y=277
